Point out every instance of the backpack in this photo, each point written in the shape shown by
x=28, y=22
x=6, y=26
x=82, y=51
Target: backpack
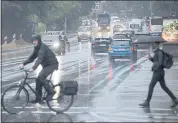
x=167, y=60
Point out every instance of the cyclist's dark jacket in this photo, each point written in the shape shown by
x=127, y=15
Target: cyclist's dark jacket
x=45, y=56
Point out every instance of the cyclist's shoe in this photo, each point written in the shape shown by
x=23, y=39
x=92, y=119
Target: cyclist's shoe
x=56, y=95
x=41, y=102
x=34, y=101
x=52, y=97
x=50, y=91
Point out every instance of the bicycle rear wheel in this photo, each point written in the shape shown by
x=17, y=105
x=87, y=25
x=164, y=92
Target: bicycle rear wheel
x=12, y=96
x=62, y=103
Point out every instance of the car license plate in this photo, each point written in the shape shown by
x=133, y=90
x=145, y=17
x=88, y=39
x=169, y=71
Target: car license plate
x=102, y=44
x=121, y=49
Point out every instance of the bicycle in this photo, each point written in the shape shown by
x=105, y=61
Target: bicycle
x=21, y=87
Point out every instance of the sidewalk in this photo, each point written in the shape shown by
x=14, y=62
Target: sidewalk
x=125, y=99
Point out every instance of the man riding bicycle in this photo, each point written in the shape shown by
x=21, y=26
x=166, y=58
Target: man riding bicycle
x=48, y=60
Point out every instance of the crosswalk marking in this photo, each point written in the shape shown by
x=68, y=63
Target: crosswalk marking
x=104, y=108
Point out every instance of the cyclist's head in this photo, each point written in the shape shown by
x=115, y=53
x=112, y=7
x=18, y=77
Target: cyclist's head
x=36, y=40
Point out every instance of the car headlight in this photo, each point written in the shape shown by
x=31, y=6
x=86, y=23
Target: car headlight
x=108, y=27
x=99, y=34
x=79, y=33
x=88, y=33
x=99, y=28
x=56, y=44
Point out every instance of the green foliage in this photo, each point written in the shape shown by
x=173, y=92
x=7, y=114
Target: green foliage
x=136, y=6
x=41, y=28
x=51, y=13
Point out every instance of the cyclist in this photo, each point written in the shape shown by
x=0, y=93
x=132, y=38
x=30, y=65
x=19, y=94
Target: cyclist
x=47, y=59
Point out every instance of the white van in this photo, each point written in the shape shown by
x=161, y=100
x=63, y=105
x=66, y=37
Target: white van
x=156, y=26
x=50, y=37
x=135, y=25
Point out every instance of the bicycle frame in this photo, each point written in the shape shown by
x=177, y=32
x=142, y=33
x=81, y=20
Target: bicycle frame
x=22, y=87
x=24, y=83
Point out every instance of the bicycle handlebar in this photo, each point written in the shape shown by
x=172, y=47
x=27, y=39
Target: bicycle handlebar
x=25, y=70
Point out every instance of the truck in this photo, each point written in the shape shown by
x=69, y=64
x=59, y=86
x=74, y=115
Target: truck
x=136, y=25
x=104, y=22
x=156, y=24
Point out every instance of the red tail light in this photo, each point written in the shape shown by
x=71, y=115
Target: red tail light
x=132, y=48
x=109, y=48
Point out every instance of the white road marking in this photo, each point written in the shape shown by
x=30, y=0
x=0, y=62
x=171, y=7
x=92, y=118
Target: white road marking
x=50, y=112
x=95, y=114
x=102, y=108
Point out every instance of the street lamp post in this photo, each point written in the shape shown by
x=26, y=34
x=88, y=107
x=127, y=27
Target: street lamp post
x=151, y=10
x=65, y=26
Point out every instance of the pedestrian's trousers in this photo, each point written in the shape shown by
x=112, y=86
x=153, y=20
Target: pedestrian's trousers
x=158, y=76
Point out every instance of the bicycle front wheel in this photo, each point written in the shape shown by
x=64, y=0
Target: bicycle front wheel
x=14, y=99
x=62, y=103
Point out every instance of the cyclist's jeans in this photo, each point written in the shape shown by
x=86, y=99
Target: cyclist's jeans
x=41, y=81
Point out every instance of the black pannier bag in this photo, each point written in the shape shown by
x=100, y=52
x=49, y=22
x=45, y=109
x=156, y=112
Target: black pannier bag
x=69, y=87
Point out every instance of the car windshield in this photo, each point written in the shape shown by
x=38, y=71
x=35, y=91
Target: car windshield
x=119, y=36
x=158, y=21
x=102, y=39
x=117, y=26
x=83, y=29
x=120, y=42
x=128, y=32
x=103, y=21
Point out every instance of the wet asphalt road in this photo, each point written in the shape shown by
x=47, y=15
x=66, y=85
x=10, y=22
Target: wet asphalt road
x=92, y=74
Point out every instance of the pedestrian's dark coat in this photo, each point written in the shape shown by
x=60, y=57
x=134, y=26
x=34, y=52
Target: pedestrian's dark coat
x=157, y=60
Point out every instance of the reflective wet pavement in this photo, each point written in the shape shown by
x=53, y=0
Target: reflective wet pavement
x=107, y=92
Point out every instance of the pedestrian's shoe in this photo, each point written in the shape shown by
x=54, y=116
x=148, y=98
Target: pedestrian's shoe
x=145, y=104
x=175, y=103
